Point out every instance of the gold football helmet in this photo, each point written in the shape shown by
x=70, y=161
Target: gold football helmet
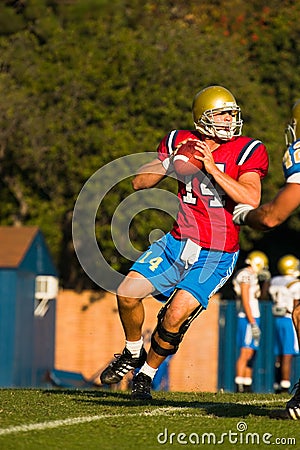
x=215, y=100
x=257, y=260
x=289, y=265
x=292, y=131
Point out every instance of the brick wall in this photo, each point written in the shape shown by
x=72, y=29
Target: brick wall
x=89, y=332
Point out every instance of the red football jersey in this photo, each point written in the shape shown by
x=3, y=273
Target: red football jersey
x=205, y=210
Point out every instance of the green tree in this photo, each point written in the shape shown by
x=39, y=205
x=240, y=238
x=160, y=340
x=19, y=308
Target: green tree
x=83, y=83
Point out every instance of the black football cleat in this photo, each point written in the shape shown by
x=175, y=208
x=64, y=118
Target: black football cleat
x=141, y=386
x=293, y=405
x=120, y=366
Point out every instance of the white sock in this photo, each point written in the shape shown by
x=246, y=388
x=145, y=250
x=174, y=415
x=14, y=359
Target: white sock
x=148, y=370
x=239, y=380
x=285, y=384
x=134, y=347
x=247, y=381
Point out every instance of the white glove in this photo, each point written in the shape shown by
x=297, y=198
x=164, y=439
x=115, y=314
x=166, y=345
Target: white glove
x=240, y=212
x=255, y=332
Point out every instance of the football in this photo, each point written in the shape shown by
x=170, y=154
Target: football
x=184, y=161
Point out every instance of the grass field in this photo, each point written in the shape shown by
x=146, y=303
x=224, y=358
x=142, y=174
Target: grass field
x=109, y=420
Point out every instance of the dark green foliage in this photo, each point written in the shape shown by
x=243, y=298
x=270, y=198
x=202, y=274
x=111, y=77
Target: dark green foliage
x=83, y=83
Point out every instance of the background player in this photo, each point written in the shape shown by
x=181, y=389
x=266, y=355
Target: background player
x=285, y=293
x=247, y=288
x=273, y=213
x=197, y=257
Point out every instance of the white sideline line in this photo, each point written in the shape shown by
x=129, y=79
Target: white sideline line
x=262, y=402
x=85, y=419
x=53, y=424
x=78, y=420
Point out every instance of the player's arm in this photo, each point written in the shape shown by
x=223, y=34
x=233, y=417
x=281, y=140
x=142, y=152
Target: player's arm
x=247, y=189
x=149, y=175
x=296, y=303
x=275, y=212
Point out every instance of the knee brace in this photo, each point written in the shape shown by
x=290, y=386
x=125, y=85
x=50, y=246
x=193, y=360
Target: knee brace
x=169, y=337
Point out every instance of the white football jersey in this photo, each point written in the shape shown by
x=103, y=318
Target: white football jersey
x=246, y=275
x=284, y=289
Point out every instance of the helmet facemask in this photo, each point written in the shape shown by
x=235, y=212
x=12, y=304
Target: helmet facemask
x=222, y=130
x=292, y=131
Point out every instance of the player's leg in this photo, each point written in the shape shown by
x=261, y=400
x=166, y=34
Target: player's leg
x=277, y=374
x=173, y=321
x=130, y=294
x=240, y=364
x=278, y=354
x=288, y=347
x=155, y=270
x=249, y=371
x=286, y=365
x=198, y=283
x=170, y=330
x=244, y=364
x=244, y=368
x=293, y=405
x=292, y=410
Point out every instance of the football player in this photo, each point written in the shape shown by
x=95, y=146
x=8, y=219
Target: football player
x=247, y=289
x=285, y=293
x=273, y=213
x=191, y=262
